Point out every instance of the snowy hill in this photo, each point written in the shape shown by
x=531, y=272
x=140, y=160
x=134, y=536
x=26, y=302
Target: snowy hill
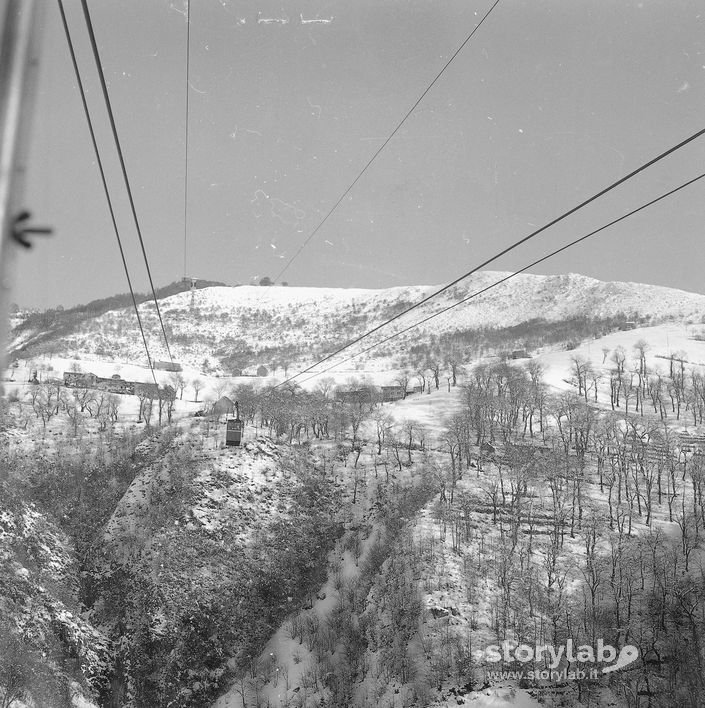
x=226, y=329
x=186, y=570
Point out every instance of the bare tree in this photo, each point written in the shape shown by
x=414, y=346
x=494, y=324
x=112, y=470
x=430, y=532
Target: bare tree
x=395, y=446
x=435, y=369
x=197, y=386
x=356, y=412
x=103, y=416
x=402, y=379
x=114, y=407
x=580, y=368
x=147, y=409
x=74, y=413
x=409, y=428
x=641, y=347
x=33, y=394
x=325, y=386
x=170, y=397
x=219, y=389
x=383, y=423
x=179, y=383
x=46, y=402
x=84, y=397
x=453, y=361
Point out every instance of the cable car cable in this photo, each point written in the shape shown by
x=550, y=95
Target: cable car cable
x=514, y=245
x=104, y=181
x=186, y=136
x=384, y=144
x=106, y=96
x=506, y=278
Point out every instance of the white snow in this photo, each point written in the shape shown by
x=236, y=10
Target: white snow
x=213, y=319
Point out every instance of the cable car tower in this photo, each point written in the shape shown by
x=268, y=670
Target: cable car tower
x=192, y=286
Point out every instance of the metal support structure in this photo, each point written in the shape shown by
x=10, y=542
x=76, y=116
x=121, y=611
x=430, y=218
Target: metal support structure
x=19, y=52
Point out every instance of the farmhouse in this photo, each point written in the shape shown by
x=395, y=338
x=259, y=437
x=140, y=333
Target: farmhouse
x=73, y=379
x=223, y=406
x=392, y=393
x=115, y=384
x=358, y=395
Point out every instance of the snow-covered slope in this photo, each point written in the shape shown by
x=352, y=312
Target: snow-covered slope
x=40, y=613
x=254, y=326
x=522, y=297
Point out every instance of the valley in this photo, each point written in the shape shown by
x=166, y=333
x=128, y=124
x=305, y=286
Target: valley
x=539, y=483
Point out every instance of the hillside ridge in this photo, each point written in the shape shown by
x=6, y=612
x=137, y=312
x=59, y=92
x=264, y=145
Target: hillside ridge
x=224, y=329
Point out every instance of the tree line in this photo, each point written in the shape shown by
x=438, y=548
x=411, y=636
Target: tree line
x=596, y=517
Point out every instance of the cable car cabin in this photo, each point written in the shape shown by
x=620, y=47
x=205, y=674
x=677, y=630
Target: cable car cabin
x=233, y=432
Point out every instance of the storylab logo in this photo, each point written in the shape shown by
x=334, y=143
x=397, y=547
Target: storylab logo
x=583, y=659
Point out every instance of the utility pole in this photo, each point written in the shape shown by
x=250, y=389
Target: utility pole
x=19, y=52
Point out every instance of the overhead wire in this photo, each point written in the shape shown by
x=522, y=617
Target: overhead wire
x=347, y=191
x=104, y=181
x=116, y=139
x=565, y=247
x=186, y=137
x=509, y=248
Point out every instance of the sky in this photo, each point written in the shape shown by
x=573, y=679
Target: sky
x=548, y=103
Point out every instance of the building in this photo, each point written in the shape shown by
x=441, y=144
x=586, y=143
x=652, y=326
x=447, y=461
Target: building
x=358, y=395
x=115, y=384
x=168, y=366
x=689, y=442
x=74, y=379
x=223, y=406
x=393, y=393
